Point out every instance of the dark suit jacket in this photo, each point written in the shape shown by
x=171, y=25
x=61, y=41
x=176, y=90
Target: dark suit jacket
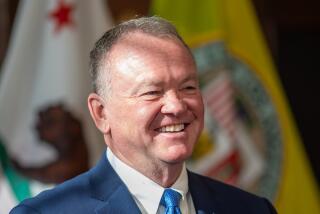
x=100, y=190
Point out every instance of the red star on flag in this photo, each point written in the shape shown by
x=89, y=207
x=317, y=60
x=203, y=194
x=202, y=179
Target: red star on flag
x=62, y=16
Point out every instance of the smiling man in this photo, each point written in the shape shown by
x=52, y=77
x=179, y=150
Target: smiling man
x=148, y=106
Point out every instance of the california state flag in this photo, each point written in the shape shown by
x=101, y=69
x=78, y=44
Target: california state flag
x=45, y=124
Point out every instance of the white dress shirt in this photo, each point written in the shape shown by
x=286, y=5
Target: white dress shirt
x=146, y=193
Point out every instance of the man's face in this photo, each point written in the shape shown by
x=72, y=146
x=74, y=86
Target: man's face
x=155, y=109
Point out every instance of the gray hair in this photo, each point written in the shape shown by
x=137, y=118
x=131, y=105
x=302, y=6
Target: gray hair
x=154, y=26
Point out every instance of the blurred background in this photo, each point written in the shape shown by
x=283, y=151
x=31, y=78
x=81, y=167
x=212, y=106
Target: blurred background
x=286, y=34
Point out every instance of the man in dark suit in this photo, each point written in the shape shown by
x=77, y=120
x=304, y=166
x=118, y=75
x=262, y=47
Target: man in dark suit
x=148, y=105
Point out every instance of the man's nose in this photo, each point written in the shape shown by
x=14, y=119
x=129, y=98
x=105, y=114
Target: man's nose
x=173, y=104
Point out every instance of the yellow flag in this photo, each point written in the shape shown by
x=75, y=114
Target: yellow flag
x=250, y=139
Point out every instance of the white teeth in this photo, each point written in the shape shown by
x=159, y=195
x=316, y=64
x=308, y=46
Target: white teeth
x=172, y=128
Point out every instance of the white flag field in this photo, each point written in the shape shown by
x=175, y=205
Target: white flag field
x=45, y=78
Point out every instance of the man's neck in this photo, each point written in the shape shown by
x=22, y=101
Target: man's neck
x=165, y=175
x=162, y=173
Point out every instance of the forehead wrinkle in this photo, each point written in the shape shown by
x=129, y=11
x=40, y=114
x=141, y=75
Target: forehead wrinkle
x=127, y=58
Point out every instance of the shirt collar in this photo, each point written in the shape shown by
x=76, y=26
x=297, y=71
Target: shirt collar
x=141, y=186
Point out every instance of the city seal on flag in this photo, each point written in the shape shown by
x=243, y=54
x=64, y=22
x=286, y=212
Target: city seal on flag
x=241, y=143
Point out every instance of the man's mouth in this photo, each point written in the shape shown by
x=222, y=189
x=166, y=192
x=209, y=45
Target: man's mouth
x=172, y=128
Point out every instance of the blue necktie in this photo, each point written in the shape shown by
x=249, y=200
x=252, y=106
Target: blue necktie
x=170, y=200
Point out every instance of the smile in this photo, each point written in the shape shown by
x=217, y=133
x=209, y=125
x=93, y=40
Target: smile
x=172, y=128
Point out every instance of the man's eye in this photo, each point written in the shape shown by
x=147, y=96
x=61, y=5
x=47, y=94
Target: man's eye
x=190, y=88
x=152, y=93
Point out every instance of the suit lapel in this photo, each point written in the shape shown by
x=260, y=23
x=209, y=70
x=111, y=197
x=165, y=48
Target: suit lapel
x=119, y=202
x=204, y=199
x=107, y=187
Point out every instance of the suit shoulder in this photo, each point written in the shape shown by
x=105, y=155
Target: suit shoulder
x=227, y=197
x=24, y=209
x=220, y=187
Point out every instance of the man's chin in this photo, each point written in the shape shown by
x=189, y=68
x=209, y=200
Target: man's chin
x=176, y=157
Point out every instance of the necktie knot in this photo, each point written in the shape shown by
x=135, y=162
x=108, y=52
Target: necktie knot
x=170, y=200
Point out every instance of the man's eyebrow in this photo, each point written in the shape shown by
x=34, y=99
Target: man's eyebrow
x=145, y=83
x=150, y=82
x=191, y=77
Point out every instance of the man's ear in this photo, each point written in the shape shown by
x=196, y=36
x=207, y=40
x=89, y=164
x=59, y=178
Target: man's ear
x=97, y=110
